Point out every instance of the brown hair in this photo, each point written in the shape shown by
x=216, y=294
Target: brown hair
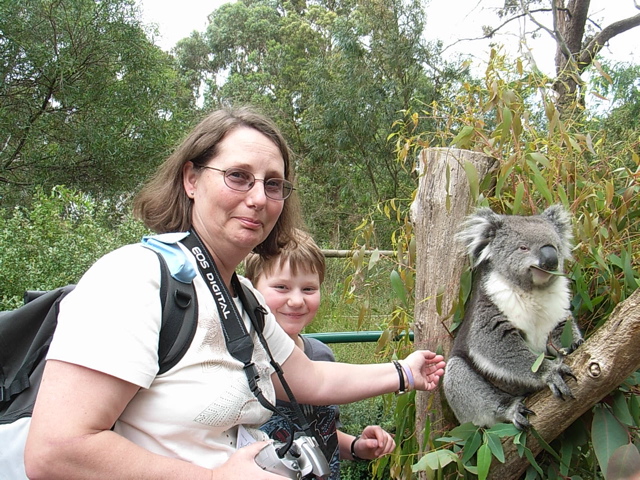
x=302, y=254
x=163, y=204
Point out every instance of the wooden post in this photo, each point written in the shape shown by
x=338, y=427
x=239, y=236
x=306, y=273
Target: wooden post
x=443, y=200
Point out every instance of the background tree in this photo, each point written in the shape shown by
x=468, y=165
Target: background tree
x=333, y=75
x=86, y=99
x=617, y=86
x=578, y=35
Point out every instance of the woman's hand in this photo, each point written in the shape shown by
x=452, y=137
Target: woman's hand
x=242, y=464
x=426, y=367
x=374, y=442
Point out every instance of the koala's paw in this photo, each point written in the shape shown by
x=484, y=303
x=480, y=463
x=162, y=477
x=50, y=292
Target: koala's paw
x=517, y=413
x=566, y=351
x=555, y=380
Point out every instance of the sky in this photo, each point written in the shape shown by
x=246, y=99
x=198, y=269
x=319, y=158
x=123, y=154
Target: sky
x=176, y=19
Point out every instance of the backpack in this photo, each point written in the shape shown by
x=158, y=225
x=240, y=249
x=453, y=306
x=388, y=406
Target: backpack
x=26, y=333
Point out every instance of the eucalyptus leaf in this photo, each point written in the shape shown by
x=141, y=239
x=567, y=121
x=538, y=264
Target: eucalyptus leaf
x=566, y=338
x=504, y=430
x=495, y=445
x=621, y=409
x=374, y=258
x=536, y=365
x=607, y=435
x=484, y=461
x=471, y=446
x=435, y=460
x=398, y=286
x=464, y=431
x=624, y=463
x=463, y=136
x=472, y=178
x=517, y=199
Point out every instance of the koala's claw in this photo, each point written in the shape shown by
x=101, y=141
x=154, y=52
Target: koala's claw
x=560, y=389
x=563, y=352
x=519, y=416
x=521, y=423
x=555, y=380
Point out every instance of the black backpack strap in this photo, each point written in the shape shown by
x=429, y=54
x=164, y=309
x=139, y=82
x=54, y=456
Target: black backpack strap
x=179, y=317
x=253, y=307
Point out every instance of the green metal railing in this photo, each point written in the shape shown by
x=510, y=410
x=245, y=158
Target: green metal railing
x=351, y=337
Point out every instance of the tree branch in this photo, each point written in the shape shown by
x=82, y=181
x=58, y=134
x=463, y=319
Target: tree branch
x=599, y=41
x=601, y=364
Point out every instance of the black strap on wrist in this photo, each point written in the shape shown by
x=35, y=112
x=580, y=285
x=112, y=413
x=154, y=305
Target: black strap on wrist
x=238, y=340
x=402, y=388
x=353, y=449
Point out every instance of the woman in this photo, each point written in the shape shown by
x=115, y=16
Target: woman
x=230, y=182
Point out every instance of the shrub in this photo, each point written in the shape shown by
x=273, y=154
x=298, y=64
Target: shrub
x=54, y=240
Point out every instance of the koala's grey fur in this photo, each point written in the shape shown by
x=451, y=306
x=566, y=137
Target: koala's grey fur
x=516, y=312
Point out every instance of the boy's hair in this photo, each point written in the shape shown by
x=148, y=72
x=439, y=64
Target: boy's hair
x=302, y=254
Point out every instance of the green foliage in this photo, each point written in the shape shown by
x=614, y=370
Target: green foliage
x=332, y=75
x=542, y=159
x=354, y=418
x=86, y=100
x=364, y=287
x=55, y=240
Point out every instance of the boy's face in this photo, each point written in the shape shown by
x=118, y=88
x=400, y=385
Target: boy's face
x=293, y=299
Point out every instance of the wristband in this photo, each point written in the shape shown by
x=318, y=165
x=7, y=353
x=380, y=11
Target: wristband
x=353, y=450
x=402, y=388
x=407, y=370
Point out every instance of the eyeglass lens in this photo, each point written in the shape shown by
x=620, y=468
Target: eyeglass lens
x=243, y=181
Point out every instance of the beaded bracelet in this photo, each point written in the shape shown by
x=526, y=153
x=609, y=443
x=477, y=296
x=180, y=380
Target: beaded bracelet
x=402, y=388
x=353, y=449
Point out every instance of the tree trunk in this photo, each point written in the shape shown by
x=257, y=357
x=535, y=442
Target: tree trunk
x=569, y=28
x=574, y=52
x=443, y=200
x=601, y=364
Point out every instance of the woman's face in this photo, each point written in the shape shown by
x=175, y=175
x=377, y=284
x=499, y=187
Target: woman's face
x=232, y=223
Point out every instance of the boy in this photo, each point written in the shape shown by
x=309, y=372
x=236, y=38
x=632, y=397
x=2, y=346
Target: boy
x=290, y=283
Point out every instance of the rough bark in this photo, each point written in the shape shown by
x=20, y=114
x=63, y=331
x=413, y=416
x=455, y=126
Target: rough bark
x=443, y=200
x=601, y=364
x=574, y=52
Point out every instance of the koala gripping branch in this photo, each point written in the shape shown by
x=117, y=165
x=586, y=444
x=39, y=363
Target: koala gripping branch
x=601, y=364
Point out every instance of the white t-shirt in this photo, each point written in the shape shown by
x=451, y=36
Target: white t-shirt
x=111, y=323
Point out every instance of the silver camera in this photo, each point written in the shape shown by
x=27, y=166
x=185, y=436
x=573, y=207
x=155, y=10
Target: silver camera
x=304, y=460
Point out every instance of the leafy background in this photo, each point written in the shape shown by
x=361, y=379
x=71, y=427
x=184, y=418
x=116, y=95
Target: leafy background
x=89, y=107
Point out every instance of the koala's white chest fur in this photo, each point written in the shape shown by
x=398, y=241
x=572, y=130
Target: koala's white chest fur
x=534, y=313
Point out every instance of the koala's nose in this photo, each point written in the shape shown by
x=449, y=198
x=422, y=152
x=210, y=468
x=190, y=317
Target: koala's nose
x=548, y=258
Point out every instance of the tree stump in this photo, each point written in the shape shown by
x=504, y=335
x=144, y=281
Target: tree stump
x=443, y=200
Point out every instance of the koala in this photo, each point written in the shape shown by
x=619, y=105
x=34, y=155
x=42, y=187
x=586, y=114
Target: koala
x=518, y=309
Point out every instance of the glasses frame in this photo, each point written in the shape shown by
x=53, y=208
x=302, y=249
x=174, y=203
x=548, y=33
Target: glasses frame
x=286, y=184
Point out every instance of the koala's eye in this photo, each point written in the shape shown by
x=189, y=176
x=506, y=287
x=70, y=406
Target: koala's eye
x=524, y=248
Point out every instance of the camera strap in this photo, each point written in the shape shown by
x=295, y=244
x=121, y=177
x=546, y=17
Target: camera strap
x=238, y=340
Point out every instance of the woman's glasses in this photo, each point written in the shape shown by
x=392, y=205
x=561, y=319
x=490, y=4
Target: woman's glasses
x=243, y=181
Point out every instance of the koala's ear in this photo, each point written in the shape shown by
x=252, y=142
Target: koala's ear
x=561, y=220
x=477, y=232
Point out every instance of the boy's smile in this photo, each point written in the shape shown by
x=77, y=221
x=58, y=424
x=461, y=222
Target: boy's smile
x=293, y=298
